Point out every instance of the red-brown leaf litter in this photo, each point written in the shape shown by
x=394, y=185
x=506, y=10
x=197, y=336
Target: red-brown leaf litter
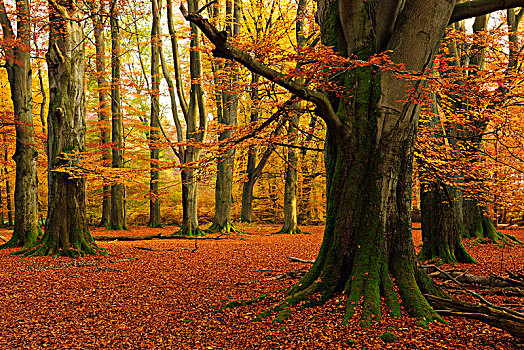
x=171, y=299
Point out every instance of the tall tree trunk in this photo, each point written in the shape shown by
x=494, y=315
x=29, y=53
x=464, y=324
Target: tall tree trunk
x=8, y=195
x=246, y=213
x=118, y=221
x=195, y=116
x=227, y=117
x=66, y=231
x=369, y=150
x=291, y=180
x=441, y=237
x=18, y=65
x=155, y=219
x=103, y=110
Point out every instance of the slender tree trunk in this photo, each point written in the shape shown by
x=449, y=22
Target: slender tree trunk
x=155, y=219
x=103, y=111
x=66, y=230
x=291, y=180
x=2, y=222
x=246, y=213
x=18, y=65
x=8, y=197
x=195, y=116
x=228, y=117
x=117, y=192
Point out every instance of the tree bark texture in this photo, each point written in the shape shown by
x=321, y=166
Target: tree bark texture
x=103, y=111
x=228, y=117
x=195, y=116
x=18, y=66
x=66, y=231
x=155, y=219
x=441, y=238
x=291, y=178
x=118, y=221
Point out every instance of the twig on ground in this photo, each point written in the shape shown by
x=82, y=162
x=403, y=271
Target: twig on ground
x=301, y=260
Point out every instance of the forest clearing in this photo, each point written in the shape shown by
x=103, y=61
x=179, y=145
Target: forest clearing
x=162, y=161
x=169, y=297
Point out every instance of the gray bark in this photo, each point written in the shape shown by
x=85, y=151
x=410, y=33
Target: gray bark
x=66, y=230
x=195, y=116
x=118, y=221
x=18, y=66
x=228, y=106
x=103, y=110
x=155, y=219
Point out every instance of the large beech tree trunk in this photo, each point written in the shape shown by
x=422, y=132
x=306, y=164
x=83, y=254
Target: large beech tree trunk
x=66, y=231
x=18, y=66
x=118, y=221
x=155, y=219
x=369, y=150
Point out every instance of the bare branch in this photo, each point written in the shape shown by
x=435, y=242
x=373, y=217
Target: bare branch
x=224, y=49
x=475, y=8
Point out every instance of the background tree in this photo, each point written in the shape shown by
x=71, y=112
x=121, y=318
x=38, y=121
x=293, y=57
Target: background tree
x=103, y=106
x=18, y=66
x=195, y=117
x=117, y=191
x=227, y=109
x=155, y=219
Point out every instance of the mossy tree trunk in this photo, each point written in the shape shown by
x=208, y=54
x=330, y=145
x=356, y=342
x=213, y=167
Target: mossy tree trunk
x=66, y=231
x=228, y=110
x=369, y=150
x=118, y=221
x=18, y=66
x=441, y=238
x=155, y=219
x=103, y=108
x=441, y=234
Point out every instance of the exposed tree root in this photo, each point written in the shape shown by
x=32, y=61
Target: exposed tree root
x=508, y=320
x=189, y=233
x=226, y=229
x=112, y=227
x=486, y=232
x=445, y=254
x=295, y=231
x=17, y=241
x=464, y=277
x=50, y=245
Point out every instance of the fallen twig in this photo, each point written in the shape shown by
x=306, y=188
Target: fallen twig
x=301, y=260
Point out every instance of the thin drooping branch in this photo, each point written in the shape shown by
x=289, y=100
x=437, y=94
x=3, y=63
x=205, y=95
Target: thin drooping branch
x=224, y=49
x=475, y=8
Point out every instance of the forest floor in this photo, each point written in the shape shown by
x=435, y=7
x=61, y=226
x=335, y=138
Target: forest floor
x=168, y=299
